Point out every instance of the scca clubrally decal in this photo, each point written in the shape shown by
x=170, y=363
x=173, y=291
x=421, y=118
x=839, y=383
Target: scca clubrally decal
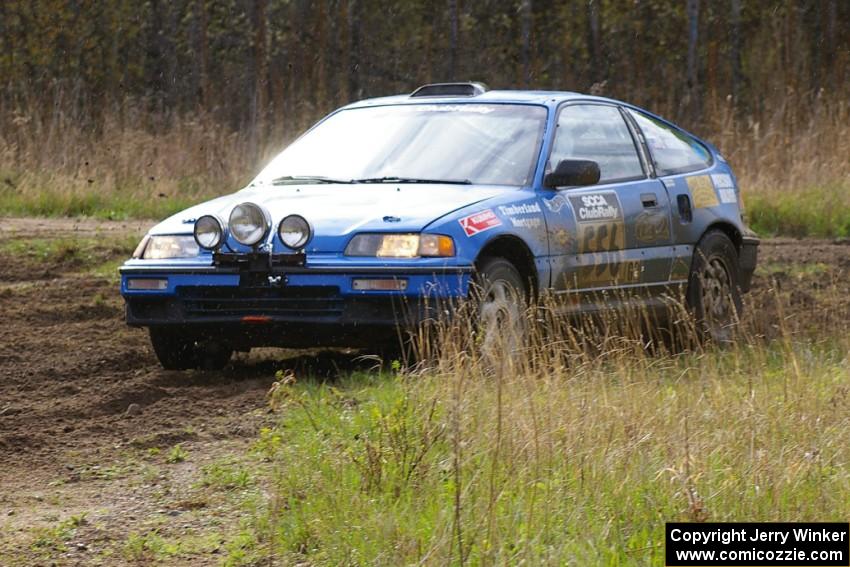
x=599, y=219
x=600, y=227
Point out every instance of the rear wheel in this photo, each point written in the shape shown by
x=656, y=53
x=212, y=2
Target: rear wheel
x=177, y=350
x=713, y=293
x=501, y=302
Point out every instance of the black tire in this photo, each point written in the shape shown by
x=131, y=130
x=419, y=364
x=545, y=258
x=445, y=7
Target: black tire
x=714, y=296
x=177, y=350
x=501, y=299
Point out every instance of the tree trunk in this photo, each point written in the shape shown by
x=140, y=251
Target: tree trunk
x=353, y=17
x=831, y=43
x=594, y=44
x=154, y=56
x=169, y=55
x=332, y=56
x=525, y=56
x=202, y=54
x=261, y=67
x=453, y=35
x=735, y=50
x=692, y=97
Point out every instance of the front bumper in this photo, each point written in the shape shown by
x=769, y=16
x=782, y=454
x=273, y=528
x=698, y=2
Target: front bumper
x=295, y=306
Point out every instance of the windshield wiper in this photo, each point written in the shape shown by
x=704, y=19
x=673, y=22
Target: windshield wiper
x=290, y=179
x=393, y=179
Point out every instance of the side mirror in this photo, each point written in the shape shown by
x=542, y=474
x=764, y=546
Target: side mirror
x=572, y=173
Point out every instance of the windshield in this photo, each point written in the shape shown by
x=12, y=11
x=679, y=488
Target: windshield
x=462, y=143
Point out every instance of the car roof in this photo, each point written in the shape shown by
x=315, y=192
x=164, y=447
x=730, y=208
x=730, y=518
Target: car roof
x=547, y=98
x=550, y=99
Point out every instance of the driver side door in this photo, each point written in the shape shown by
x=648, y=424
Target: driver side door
x=616, y=233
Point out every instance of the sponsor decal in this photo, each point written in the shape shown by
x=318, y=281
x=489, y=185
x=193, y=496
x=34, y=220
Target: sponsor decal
x=596, y=207
x=680, y=269
x=669, y=183
x=615, y=272
x=599, y=219
x=479, y=222
x=702, y=191
x=727, y=196
x=651, y=226
x=556, y=203
x=725, y=187
x=521, y=209
x=722, y=180
x=523, y=215
x=526, y=222
x=562, y=237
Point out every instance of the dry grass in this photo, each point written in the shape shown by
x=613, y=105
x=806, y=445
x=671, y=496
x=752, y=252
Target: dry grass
x=796, y=142
x=129, y=165
x=573, y=450
x=792, y=163
x=791, y=159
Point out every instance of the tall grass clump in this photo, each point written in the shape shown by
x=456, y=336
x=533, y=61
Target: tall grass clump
x=574, y=448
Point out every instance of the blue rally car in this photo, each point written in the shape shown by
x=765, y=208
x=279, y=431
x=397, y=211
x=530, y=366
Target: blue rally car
x=391, y=201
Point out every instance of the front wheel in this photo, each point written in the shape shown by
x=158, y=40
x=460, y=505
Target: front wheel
x=713, y=293
x=177, y=350
x=502, y=299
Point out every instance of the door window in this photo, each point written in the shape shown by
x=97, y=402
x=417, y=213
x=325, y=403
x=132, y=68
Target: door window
x=672, y=150
x=599, y=133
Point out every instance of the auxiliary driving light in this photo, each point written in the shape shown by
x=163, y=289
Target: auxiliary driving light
x=249, y=224
x=294, y=231
x=208, y=232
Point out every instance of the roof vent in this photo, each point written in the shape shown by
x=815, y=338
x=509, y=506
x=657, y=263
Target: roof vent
x=450, y=89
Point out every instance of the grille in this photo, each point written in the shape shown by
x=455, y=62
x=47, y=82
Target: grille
x=295, y=302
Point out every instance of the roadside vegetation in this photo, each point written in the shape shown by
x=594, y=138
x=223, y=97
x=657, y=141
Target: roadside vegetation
x=570, y=452
x=792, y=186
x=577, y=450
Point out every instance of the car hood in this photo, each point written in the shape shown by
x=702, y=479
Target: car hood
x=339, y=210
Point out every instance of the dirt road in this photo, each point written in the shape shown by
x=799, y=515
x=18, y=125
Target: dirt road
x=89, y=422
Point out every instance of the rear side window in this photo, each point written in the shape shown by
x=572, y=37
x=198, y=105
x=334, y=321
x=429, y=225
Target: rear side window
x=599, y=133
x=672, y=151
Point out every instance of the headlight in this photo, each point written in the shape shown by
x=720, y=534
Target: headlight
x=164, y=247
x=294, y=231
x=140, y=249
x=208, y=232
x=401, y=245
x=248, y=224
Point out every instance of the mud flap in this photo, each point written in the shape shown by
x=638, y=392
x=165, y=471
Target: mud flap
x=747, y=260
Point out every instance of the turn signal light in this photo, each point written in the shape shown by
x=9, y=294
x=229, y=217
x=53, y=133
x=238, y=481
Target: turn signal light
x=436, y=245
